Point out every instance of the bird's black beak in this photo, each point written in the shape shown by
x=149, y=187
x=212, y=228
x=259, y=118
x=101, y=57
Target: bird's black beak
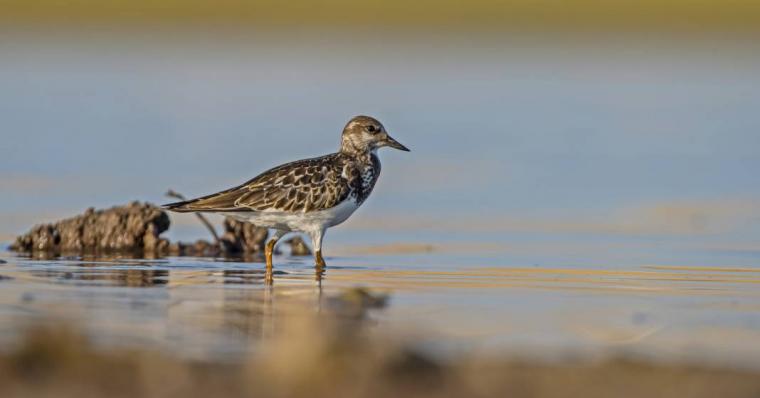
x=389, y=141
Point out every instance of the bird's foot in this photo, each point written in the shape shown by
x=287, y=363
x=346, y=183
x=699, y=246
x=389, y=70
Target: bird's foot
x=320, y=261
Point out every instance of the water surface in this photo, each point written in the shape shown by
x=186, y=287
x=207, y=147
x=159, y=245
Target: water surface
x=220, y=309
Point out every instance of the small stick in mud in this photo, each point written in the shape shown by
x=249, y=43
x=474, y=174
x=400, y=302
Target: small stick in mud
x=176, y=195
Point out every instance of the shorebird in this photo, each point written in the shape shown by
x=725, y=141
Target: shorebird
x=309, y=195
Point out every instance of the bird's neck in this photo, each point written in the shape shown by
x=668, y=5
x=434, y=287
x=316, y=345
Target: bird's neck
x=362, y=154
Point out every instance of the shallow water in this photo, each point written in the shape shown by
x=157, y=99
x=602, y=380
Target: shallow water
x=220, y=309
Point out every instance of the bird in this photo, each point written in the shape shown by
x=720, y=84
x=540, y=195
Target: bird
x=305, y=196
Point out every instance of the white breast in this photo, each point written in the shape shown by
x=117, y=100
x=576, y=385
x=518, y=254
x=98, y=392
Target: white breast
x=302, y=222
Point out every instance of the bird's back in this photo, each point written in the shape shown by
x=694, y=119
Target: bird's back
x=297, y=187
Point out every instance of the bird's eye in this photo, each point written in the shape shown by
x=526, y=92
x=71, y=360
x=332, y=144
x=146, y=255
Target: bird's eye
x=371, y=128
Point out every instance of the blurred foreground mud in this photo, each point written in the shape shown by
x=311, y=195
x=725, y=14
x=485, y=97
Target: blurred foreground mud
x=135, y=229
x=333, y=356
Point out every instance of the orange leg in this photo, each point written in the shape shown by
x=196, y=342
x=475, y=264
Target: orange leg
x=268, y=251
x=319, y=269
x=320, y=261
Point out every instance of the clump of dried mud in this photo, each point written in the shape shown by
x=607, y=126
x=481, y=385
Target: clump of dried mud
x=239, y=239
x=132, y=228
x=135, y=229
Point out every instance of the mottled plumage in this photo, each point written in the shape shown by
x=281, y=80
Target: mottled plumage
x=307, y=195
x=301, y=186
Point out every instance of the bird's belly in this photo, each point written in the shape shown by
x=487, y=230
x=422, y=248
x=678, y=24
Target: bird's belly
x=299, y=221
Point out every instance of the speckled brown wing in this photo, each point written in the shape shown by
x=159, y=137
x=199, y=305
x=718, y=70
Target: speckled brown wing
x=301, y=186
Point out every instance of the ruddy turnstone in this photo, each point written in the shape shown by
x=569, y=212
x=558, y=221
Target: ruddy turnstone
x=307, y=195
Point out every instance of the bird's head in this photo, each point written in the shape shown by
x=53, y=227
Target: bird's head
x=365, y=134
